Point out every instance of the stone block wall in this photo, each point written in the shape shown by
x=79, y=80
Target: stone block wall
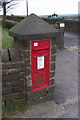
x=13, y=77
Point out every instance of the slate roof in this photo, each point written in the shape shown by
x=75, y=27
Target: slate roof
x=33, y=28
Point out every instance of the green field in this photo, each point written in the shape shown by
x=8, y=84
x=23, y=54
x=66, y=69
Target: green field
x=5, y=40
x=0, y=38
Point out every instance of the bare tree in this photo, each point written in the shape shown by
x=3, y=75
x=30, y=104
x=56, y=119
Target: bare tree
x=5, y=5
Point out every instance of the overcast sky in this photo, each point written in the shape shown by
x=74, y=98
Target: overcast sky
x=46, y=7
x=79, y=7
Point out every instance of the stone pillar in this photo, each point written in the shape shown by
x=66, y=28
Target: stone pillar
x=23, y=38
x=42, y=94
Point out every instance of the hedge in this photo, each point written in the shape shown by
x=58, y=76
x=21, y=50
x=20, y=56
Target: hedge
x=53, y=20
x=9, y=24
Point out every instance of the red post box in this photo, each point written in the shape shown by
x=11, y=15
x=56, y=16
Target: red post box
x=40, y=62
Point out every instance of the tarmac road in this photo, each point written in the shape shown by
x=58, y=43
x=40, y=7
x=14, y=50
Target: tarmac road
x=66, y=78
x=65, y=103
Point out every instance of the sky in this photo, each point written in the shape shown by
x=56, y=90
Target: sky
x=46, y=7
x=79, y=7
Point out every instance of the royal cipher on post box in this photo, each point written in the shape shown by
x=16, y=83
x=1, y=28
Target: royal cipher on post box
x=37, y=41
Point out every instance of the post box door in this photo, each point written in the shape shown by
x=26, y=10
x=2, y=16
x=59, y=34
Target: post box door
x=40, y=69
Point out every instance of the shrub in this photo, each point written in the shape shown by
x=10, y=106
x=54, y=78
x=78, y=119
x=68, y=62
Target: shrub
x=10, y=24
x=1, y=22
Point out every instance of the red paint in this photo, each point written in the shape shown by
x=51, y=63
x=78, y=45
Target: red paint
x=40, y=76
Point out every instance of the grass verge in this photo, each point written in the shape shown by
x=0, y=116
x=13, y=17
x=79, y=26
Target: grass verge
x=0, y=38
x=5, y=40
x=14, y=107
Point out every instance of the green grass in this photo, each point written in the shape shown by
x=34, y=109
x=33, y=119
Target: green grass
x=5, y=40
x=14, y=107
x=0, y=38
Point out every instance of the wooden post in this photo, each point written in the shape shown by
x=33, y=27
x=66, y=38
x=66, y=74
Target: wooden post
x=4, y=15
x=27, y=6
x=61, y=43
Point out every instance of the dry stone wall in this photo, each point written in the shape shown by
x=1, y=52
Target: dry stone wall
x=72, y=26
x=13, y=78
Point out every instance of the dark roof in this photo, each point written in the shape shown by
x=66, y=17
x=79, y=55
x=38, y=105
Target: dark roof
x=33, y=28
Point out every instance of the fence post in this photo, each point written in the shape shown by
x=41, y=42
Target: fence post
x=61, y=41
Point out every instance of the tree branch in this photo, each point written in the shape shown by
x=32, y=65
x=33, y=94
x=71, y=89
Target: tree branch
x=9, y=4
